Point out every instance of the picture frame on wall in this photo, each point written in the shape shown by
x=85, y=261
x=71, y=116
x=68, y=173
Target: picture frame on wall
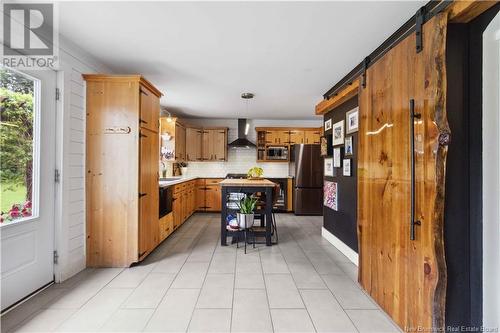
x=347, y=169
x=338, y=133
x=348, y=147
x=337, y=158
x=352, y=120
x=328, y=125
x=330, y=195
x=328, y=170
x=323, y=146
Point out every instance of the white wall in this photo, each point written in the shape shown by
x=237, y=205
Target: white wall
x=70, y=146
x=491, y=177
x=240, y=160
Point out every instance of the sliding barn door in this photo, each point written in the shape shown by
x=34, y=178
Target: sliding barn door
x=404, y=272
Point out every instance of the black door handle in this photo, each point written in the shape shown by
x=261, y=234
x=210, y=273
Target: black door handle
x=142, y=194
x=413, y=116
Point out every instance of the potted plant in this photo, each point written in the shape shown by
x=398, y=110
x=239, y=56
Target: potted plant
x=245, y=215
x=255, y=173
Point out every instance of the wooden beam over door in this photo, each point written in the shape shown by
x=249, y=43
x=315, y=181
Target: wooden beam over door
x=347, y=93
x=466, y=11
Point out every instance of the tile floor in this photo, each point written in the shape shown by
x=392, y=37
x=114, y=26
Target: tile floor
x=192, y=284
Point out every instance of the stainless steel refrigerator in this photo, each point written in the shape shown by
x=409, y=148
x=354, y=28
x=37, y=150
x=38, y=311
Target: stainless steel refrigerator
x=306, y=166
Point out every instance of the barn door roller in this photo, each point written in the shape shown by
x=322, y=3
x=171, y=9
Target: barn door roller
x=419, y=22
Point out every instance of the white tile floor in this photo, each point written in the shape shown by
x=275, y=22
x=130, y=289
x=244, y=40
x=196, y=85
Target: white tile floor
x=191, y=283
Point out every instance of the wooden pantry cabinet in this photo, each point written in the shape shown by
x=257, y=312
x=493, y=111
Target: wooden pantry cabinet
x=122, y=149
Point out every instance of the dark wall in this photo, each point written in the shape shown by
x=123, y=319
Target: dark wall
x=463, y=203
x=343, y=223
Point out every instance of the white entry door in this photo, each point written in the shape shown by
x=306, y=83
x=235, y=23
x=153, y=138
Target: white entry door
x=27, y=174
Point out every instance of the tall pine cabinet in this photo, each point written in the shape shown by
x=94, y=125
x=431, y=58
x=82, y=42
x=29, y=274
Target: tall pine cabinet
x=122, y=154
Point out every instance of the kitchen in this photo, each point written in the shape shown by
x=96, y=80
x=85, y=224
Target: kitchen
x=208, y=177
x=181, y=164
x=231, y=156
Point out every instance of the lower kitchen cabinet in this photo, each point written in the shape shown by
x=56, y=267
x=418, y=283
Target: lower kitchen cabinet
x=212, y=198
x=208, y=195
x=166, y=226
x=183, y=205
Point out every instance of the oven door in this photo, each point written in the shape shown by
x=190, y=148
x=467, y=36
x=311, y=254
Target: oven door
x=165, y=200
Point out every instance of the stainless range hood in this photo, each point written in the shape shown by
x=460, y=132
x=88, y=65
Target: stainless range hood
x=242, y=141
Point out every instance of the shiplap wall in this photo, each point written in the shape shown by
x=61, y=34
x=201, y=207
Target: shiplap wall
x=70, y=200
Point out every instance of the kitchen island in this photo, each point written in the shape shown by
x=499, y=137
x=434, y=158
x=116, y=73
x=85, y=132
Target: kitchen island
x=248, y=186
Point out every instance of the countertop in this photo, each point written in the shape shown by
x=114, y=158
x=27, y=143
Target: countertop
x=247, y=182
x=182, y=179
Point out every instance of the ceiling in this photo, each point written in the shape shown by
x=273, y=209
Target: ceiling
x=203, y=55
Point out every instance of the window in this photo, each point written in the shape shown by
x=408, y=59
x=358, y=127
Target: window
x=19, y=111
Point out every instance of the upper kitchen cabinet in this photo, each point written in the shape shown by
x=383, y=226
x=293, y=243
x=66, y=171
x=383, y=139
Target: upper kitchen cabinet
x=274, y=143
x=180, y=142
x=173, y=139
x=121, y=203
x=297, y=137
x=312, y=136
x=214, y=144
x=278, y=136
x=149, y=108
x=194, y=144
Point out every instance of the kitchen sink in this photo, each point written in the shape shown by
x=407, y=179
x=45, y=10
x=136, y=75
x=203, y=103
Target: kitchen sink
x=168, y=179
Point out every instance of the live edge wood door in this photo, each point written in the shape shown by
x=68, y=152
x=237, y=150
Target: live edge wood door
x=406, y=277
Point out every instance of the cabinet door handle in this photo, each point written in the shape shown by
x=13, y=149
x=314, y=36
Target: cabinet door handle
x=142, y=194
x=142, y=121
x=413, y=116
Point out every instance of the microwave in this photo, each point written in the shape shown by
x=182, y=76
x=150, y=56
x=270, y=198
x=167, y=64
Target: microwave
x=277, y=153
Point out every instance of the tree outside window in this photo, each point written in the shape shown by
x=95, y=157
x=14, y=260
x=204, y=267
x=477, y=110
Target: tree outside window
x=16, y=145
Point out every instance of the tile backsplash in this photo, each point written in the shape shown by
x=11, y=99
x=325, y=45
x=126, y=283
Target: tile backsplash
x=238, y=161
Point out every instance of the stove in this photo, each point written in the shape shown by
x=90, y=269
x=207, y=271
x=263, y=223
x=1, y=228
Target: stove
x=236, y=176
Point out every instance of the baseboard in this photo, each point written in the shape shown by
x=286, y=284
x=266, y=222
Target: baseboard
x=341, y=246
